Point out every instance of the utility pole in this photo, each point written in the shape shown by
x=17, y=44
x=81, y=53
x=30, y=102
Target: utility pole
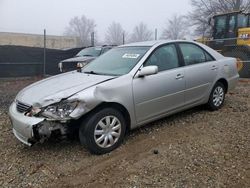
x=44, y=52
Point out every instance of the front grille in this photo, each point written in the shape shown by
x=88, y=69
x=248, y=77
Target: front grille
x=21, y=107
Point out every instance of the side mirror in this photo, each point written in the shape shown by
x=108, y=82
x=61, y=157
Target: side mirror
x=79, y=67
x=149, y=70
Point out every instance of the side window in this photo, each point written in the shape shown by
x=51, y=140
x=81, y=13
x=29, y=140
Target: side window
x=193, y=54
x=208, y=57
x=220, y=27
x=164, y=57
x=242, y=20
x=105, y=50
x=232, y=27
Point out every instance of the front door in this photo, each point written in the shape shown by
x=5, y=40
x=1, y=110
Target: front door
x=158, y=94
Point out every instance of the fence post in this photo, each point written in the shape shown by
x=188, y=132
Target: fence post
x=93, y=39
x=44, y=53
x=123, y=38
x=156, y=32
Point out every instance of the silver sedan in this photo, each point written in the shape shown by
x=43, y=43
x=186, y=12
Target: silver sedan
x=127, y=87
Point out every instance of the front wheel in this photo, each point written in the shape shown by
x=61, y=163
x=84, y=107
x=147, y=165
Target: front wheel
x=103, y=131
x=217, y=97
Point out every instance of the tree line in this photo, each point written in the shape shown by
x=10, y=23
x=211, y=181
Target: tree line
x=177, y=27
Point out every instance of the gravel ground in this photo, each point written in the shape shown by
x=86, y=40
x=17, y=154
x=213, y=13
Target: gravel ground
x=195, y=148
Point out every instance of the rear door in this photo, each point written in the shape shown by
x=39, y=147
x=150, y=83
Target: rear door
x=200, y=72
x=158, y=94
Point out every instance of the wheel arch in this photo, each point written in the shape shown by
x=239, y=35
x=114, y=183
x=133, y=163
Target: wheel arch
x=224, y=82
x=118, y=107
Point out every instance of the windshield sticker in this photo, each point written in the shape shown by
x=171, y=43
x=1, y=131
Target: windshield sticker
x=131, y=56
x=99, y=49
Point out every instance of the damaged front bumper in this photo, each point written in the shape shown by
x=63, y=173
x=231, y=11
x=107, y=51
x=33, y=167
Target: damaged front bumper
x=30, y=130
x=23, y=125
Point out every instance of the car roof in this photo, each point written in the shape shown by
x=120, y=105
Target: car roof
x=156, y=43
x=146, y=43
x=101, y=46
x=153, y=42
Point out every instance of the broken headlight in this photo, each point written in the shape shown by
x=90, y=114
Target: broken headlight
x=60, y=111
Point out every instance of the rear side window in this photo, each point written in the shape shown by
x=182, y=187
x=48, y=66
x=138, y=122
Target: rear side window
x=193, y=54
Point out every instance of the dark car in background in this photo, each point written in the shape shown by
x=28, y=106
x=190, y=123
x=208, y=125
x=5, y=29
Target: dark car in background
x=83, y=58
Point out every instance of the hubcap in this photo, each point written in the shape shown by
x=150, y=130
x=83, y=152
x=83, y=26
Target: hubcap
x=107, y=131
x=218, y=96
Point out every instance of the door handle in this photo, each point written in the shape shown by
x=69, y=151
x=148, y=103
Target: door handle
x=214, y=67
x=179, y=76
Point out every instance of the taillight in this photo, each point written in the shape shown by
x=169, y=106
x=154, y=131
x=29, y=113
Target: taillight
x=239, y=64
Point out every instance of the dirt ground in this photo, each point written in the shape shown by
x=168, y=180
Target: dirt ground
x=196, y=148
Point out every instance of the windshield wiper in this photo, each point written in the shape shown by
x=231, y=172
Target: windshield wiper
x=88, y=55
x=91, y=72
x=97, y=73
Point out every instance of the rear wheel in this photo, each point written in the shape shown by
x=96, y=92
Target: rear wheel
x=217, y=97
x=103, y=131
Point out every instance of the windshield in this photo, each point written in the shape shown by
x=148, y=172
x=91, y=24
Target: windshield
x=118, y=61
x=93, y=52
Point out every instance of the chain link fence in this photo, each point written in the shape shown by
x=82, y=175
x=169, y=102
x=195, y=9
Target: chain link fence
x=28, y=69
x=20, y=61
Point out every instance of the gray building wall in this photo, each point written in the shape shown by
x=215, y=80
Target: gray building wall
x=35, y=40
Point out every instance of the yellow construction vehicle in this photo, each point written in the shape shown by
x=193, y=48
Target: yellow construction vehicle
x=231, y=37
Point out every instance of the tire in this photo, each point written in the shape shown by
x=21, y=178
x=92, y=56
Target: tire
x=217, y=97
x=103, y=131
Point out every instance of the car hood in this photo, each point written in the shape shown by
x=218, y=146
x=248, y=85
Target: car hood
x=56, y=88
x=78, y=59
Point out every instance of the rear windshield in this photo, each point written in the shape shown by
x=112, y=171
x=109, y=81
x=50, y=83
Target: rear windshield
x=92, y=52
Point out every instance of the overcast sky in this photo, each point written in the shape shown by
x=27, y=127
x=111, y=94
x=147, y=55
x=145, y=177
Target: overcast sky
x=32, y=16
